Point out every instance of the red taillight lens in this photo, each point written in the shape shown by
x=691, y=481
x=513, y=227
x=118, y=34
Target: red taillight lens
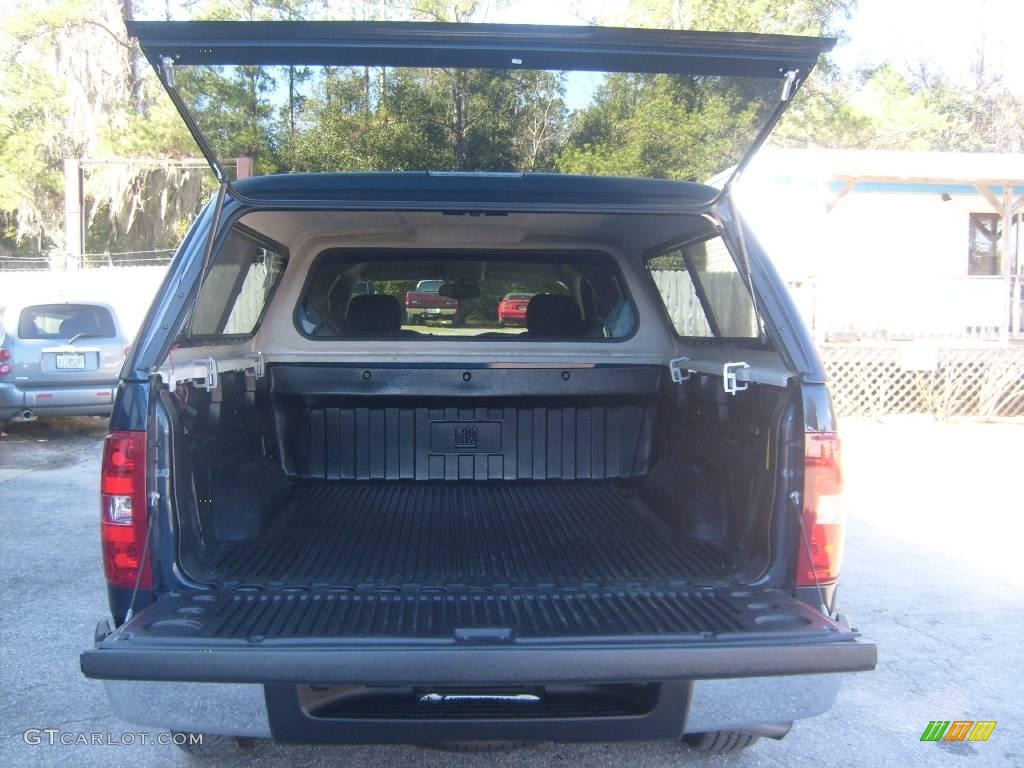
x=5, y=354
x=823, y=516
x=123, y=525
x=5, y=368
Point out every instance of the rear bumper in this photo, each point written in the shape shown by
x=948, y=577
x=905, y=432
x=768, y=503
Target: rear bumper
x=91, y=400
x=398, y=663
x=766, y=660
x=683, y=707
x=430, y=312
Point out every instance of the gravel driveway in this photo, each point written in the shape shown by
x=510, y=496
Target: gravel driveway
x=932, y=573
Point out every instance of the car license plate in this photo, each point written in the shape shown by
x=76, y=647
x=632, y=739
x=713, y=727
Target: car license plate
x=433, y=310
x=521, y=307
x=70, y=362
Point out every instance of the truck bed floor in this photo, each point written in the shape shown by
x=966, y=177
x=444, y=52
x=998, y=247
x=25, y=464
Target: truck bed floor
x=472, y=535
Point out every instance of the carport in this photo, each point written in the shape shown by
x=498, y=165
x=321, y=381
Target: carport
x=999, y=179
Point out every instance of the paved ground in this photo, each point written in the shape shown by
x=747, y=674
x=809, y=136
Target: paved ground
x=932, y=574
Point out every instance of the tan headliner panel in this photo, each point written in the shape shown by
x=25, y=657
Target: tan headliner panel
x=633, y=233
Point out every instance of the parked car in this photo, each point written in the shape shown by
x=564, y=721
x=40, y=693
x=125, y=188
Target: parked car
x=59, y=359
x=512, y=308
x=621, y=523
x=427, y=303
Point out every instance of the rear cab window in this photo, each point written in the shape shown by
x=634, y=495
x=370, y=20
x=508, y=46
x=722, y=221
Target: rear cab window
x=455, y=295
x=703, y=292
x=59, y=322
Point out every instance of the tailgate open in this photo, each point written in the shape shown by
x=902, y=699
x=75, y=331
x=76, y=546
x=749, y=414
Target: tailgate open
x=382, y=638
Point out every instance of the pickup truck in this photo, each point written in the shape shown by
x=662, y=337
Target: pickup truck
x=622, y=523
x=426, y=303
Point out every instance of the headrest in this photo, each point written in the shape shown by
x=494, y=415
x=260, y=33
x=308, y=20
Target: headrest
x=82, y=322
x=374, y=315
x=553, y=315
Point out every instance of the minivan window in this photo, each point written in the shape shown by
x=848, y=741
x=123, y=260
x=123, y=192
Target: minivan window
x=704, y=293
x=445, y=295
x=65, y=321
x=238, y=286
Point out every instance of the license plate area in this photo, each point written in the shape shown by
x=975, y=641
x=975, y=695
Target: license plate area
x=446, y=703
x=343, y=713
x=70, y=361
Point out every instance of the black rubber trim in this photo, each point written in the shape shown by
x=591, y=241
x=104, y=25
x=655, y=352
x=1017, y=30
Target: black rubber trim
x=380, y=664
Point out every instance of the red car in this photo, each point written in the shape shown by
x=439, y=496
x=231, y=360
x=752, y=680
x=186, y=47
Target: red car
x=512, y=309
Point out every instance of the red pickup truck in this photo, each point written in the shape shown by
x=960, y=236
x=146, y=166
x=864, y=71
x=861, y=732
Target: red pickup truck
x=427, y=303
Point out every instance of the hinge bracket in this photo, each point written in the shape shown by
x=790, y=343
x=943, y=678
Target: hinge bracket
x=211, y=379
x=167, y=70
x=680, y=372
x=787, y=84
x=730, y=383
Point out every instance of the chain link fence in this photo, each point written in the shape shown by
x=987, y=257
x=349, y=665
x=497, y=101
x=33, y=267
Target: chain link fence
x=977, y=382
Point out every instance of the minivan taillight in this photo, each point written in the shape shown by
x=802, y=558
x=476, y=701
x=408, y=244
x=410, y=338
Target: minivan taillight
x=823, y=518
x=5, y=361
x=123, y=525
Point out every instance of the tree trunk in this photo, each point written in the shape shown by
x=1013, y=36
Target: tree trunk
x=134, y=65
x=459, y=118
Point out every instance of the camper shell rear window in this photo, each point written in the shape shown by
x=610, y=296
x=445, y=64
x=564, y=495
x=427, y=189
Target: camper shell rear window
x=378, y=294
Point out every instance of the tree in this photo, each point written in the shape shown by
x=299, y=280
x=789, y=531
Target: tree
x=694, y=127
x=72, y=87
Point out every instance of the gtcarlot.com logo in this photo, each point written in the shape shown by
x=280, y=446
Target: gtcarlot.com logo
x=57, y=737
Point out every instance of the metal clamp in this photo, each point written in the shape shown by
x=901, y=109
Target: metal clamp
x=210, y=379
x=730, y=383
x=257, y=365
x=680, y=372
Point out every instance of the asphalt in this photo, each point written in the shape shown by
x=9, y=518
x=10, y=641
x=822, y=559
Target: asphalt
x=932, y=573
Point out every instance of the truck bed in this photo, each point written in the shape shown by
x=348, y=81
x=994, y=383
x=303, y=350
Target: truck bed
x=467, y=535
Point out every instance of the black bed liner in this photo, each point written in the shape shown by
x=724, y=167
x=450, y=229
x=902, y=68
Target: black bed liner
x=455, y=536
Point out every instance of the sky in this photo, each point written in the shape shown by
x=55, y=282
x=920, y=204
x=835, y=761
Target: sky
x=942, y=33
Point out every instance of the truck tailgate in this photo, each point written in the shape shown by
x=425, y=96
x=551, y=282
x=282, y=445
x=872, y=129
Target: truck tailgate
x=380, y=638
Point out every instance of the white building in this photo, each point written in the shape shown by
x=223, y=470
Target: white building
x=894, y=245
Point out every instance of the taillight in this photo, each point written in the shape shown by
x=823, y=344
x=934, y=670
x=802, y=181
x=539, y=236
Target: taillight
x=823, y=517
x=5, y=361
x=123, y=524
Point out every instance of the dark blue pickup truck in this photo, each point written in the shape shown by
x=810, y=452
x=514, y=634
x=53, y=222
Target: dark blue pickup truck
x=618, y=520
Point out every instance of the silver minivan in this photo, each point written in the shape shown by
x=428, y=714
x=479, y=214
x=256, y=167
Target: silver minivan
x=59, y=359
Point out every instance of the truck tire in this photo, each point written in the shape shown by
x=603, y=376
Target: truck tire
x=719, y=742
x=214, y=746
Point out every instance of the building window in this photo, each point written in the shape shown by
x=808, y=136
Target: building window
x=986, y=231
